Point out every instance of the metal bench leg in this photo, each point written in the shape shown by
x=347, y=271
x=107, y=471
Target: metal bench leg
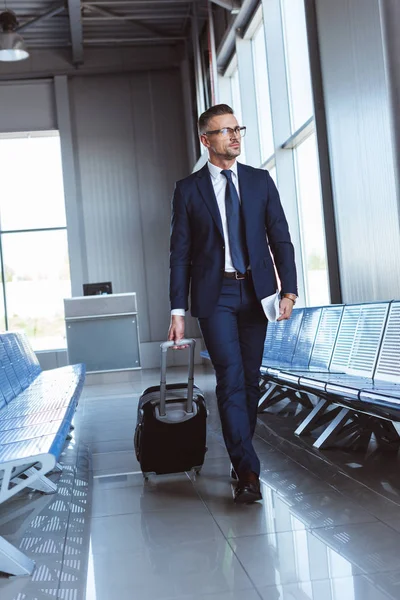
x=308, y=424
x=333, y=429
x=278, y=394
x=13, y=561
x=304, y=399
x=41, y=483
x=385, y=432
x=266, y=396
x=33, y=477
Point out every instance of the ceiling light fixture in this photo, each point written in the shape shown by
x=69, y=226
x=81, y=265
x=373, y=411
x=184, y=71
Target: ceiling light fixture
x=12, y=45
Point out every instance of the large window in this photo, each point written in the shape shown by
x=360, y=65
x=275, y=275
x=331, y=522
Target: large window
x=297, y=62
x=279, y=113
x=311, y=223
x=274, y=175
x=308, y=192
x=236, y=99
x=262, y=94
x=237, y=105
x=34, y=253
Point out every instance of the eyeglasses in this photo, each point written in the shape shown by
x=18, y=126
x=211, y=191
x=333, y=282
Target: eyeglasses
x=228, y=131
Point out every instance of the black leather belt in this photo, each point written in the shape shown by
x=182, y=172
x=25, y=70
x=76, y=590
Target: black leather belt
x=236, y=275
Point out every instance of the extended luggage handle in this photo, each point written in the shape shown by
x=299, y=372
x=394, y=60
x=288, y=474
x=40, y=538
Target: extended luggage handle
x=163, y=381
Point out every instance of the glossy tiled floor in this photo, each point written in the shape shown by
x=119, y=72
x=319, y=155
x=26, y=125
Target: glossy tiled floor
x=318, y=535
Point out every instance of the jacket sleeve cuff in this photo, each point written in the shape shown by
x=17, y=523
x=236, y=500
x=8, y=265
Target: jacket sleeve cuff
x=179, y=312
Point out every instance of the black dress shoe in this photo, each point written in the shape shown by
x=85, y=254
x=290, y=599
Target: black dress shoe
x=233, y=474
x=248, y=491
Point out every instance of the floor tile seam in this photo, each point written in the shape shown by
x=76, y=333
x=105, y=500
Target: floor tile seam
x=370, y=489
x=102, y=396
x=100, y=474
x=65, y=536
x=149, y=512
x=388, y=524
x=300, y=447
x=115, y=452
x=155, y=511
x=89, y=441
x=142, y=548
x=365, y=571
x=89, y=423
x=299, y=580
x=244, y=569
x=371, y=512
x=355, y=505
x=227, y=540
x=323, y=460
x=306, y=528
x=259, y=535
x=347, y=494
x=282, y=469
x=326, y=579
x=281, y=494
x=103, y=420
x=286, y=499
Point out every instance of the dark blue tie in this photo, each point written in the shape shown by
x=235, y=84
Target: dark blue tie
x=237, y=239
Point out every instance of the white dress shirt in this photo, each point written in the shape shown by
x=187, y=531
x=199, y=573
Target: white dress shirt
x=219, y=181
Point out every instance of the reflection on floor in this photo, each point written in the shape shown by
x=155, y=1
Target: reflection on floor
x=320, y=534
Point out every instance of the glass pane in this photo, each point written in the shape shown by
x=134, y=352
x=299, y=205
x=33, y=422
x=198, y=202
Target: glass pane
x=37, y=280
x=262, y=95
x=297, y=62
x=274, y=175
x=2, y=312
x=237, y=107
x=312, y=223
x=38, y=200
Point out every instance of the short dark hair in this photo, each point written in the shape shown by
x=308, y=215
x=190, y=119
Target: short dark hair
x=213, y=111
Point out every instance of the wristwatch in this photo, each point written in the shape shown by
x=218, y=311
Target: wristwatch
x=291, y=297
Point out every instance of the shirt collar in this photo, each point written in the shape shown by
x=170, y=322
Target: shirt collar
x=216, y=171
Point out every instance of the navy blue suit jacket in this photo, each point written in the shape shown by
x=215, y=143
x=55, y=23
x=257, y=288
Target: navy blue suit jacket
x=197, y=255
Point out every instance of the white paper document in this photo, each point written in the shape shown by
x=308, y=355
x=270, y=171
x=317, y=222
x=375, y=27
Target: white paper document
x=271, y=306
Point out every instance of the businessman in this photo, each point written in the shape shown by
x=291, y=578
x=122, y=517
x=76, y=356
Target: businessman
x=225, y=220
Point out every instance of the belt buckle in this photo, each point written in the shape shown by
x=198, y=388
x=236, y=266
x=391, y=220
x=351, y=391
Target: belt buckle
x=241, y=276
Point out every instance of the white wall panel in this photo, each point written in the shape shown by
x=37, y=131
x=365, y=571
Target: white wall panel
x=27, y=106
x=131, y=147
x=361, y=148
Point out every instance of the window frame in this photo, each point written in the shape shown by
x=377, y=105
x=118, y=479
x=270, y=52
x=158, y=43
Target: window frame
x=235, y=50
x=3, y=232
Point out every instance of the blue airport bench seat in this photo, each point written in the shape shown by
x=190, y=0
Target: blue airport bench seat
x=348, y=357
x=353, y=364
x=353, y=355
x=36, y=411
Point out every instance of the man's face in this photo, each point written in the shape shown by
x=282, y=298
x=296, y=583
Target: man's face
x=227, y=146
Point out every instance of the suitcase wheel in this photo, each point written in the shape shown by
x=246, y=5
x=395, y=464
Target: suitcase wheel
x=197, y=470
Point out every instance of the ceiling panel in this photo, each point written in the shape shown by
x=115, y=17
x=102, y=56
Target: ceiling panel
x=49, y=24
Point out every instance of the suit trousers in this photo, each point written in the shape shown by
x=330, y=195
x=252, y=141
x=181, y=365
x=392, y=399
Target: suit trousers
x=234, y=335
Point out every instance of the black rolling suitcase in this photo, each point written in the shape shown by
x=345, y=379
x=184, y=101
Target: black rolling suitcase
x=170, y=435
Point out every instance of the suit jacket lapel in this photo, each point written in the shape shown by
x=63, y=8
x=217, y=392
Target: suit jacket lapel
x=206, y=189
